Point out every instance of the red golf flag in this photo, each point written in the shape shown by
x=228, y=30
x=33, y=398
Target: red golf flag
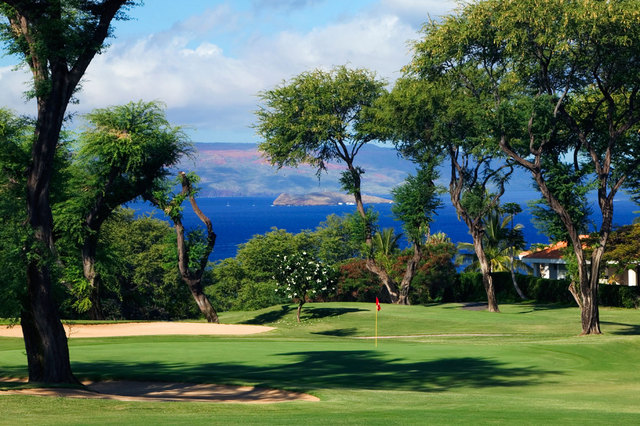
x=377, y=304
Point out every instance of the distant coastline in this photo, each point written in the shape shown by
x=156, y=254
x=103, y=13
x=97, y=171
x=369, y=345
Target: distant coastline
x=324, y=199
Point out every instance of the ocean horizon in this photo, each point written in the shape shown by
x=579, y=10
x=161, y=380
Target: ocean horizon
x=237, y=219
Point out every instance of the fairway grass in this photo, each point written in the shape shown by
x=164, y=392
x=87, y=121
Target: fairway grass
x=525, y=365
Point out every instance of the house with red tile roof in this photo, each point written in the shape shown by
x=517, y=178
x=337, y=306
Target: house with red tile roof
x=549, y=263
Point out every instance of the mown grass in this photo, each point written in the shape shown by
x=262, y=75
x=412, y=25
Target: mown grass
x=526, y=365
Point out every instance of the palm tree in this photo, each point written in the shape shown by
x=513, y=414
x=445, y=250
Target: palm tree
x=385, y=246
x=386, y=242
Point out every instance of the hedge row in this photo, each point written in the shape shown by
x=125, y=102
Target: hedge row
x=469, y=288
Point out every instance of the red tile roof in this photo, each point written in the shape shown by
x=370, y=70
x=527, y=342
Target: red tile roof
x=554, y=251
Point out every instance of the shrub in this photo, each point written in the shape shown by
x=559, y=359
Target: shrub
x=301, y=276
x=357, y=284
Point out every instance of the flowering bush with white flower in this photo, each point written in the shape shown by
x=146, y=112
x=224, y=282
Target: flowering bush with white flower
x=300, y=276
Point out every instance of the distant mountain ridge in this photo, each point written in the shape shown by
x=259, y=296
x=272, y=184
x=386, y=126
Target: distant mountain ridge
x=324, y=199
x=240, y=170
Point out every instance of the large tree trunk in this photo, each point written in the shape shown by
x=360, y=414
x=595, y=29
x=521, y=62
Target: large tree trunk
x=45, y=339
x=409, y=273
x=193, y=278
x=88, y=251
x=587, y=274
x=54, y=80
x=589, y=312
x=44, y=336
x=385, y=279
x=589, y=315
x=485, y=268
x=195, y=286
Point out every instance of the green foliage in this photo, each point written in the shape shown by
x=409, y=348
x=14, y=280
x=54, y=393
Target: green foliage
x=436, y=273
x=15, y=134
x=416, y=202
x=350, y=180
x=500, y=241
x=124, y=153
x=246, y=281
x=539, y=290
x=318, y=116
x=361, y=227
x=435, y=276
x=385, y=242
x=136, y=260
x=258, y=254
x=335, y=241
x=619, y=295
x=234, y=288
x=60, y=34
x=570, y=188
x=471, y=289
x=357, y=284
x=623, y=250
x=385, y=247
x=301, y=276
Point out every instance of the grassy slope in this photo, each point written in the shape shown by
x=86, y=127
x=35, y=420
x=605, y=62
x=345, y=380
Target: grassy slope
x=524, y=365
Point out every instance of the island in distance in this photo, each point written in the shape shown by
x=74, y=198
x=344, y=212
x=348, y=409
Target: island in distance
x=324, y=199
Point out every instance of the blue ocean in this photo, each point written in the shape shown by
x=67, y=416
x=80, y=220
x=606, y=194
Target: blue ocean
x=236, y=220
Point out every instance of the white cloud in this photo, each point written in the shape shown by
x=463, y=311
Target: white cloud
x=14, y=84
x=377, y=43
x=418, y=12
x=214, y=90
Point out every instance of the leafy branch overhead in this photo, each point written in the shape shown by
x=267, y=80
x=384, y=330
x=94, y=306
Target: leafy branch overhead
x=318, y=116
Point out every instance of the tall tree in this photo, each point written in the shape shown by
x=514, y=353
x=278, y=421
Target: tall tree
x=57, y=39
x=428, y=121
x=193, y=251
x=499, y=242
x=124, y=153
x=563, y=79
x=322, y=116
x=415, y=204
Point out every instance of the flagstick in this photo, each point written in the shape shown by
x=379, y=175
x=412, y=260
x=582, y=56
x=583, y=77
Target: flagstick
x=376, y=326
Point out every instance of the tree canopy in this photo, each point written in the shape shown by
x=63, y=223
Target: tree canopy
x=560, y=78
x=125, y=152
x=57, y=40
x=318, y=116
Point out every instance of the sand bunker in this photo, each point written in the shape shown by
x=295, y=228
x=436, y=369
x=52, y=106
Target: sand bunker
x=159, y=391
x=147, y=329
x=123, y=390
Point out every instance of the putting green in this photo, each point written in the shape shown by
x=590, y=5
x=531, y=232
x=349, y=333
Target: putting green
x=525, y=365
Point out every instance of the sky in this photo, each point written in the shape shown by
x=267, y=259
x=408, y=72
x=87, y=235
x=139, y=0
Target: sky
x=208, y=60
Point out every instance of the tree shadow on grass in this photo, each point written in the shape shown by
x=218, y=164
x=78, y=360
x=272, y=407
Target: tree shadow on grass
x=318, y=313
x=339, y=332
x=624, y=329
x=307, y=313
x=552, y=307
x=330, y=370
x=269, y=317
x=9, y=385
